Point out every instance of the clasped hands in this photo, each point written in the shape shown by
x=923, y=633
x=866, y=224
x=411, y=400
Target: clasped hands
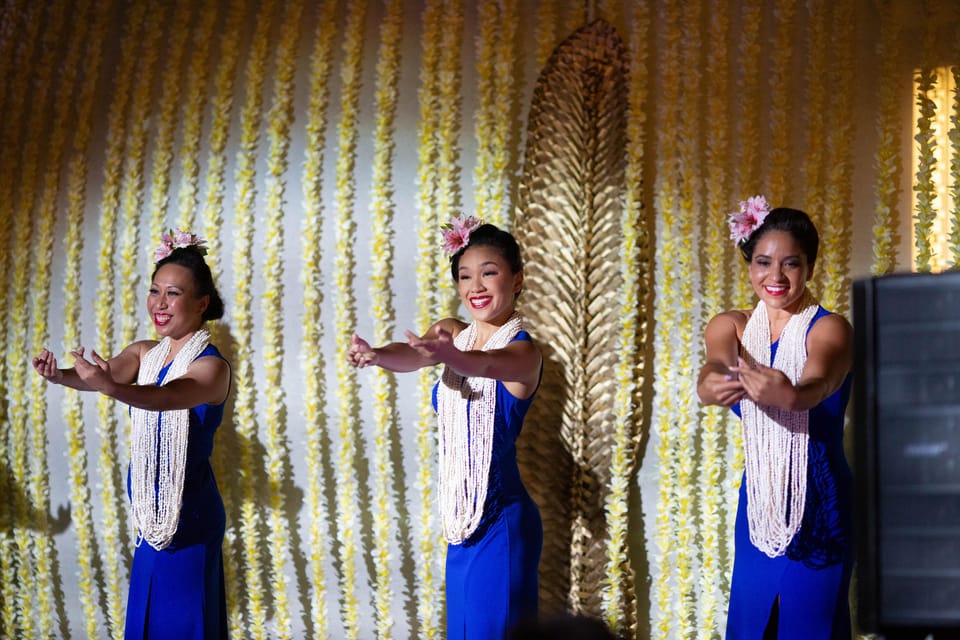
x=762, y=384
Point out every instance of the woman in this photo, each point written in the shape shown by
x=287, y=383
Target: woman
x=794, y=547
x=490, y=376
x=176, y=389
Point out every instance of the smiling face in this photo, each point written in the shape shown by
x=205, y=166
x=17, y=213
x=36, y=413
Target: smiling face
x=173, y=307
x=487, y=287
x=779, y=270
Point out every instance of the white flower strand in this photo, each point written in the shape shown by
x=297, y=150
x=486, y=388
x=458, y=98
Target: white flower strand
x=776, y=440
x=157, y=494
x=465, y=414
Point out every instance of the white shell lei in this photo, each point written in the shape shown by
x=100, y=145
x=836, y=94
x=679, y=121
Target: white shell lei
x=158, y=448
x=465, y=416
x=776, y=440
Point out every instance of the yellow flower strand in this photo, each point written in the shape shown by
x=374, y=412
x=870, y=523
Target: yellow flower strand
x=279, y=121
x=193, y=112
x=688, y=322
x=814, y=111
x=924, y=214
x=955, y=170
x=81, y=508
x=430, y=544
x=888, y=161
x=133, y=260
x=664, y=416
x=714, y=422
x=448, y=196
x=10, y=168
x=781, y=106
x=224, y=463
x=315, y=390
x=345, y=316
x=110, y=451
x=33, y=595
x=503, y=127
x=747, y=127
x=167, y=118
x=42, y=256
x=545, y=31
x=484, y=119
x=835, y=228
x=242, y=325
x=382, y=308
x=619, y=609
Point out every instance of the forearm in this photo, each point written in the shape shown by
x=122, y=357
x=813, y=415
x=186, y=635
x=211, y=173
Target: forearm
x=400, y=357
x=69, y=378
x=150, y=397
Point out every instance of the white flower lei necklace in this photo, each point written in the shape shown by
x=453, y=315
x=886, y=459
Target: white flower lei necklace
x=776, y=440
x=158, y=447
x=465, y=416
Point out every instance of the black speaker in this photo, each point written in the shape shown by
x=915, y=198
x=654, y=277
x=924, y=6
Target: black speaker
x=907, y=453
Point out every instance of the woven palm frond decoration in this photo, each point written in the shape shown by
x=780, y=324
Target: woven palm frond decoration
x=568, y=221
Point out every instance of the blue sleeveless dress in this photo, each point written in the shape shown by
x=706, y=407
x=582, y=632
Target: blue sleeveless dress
x=812, y=578
x=491, y=578
x=178, y=593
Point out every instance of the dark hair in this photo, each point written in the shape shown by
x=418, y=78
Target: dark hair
x=192, y=259
x=792, y=221
x=491, y=236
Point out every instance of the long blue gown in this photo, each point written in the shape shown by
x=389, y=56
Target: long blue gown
x=491, y=578
x=178, y=593
x=812, y=578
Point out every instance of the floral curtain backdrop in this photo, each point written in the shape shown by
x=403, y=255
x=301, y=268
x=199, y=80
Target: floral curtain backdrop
x=318, y=146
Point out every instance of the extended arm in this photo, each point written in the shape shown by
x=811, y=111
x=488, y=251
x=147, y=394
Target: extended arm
x=124, y=367
x=399, y=356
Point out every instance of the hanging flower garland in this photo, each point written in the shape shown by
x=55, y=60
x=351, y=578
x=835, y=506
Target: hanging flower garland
x=42, y=255
x=278, y=132
x=213, y=225
x=924, y=215
x=634, y=271
x=79, y=492
x=31, y=593
x=484, y=119
x=713, y=425
x=382, y=310
x=502, y=143
x=448, y=131
x=666, y=284
x=135, y=32
x=246, y=422
x=545, y=31
x=835, y=227
x=781, y=106
x=167, y=117
x=814, y=111
x=345, y=316
x=888, y=160
x=428, y=577
x=10, y=558
x=193, y=112
x=955, y=170
x=315, y=390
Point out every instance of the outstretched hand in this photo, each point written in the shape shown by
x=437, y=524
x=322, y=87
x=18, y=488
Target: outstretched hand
x=46, y=365
x=360, y=354
x=434, y=349
x=96, y=374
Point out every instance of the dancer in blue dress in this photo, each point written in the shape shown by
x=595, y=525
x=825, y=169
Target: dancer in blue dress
x=784, y=368
x=176, y=389
x=491, y=374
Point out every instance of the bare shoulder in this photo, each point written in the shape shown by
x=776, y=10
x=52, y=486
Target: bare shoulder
x=832, y=327
x=725, y=322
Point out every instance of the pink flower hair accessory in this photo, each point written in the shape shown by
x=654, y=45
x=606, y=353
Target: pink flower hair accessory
x=178, y=239
x=751, y=215
x=456, y=233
